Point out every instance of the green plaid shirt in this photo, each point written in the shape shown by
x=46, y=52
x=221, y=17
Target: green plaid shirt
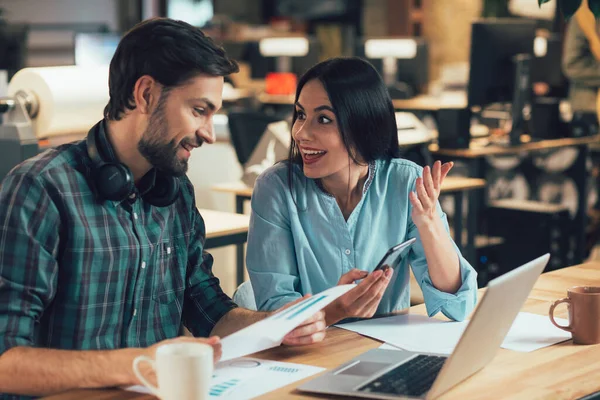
x=80, y=273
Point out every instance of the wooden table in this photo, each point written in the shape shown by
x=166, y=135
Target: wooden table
x=225, y=229
x=474, y=157
x=476, y=151
x=457, y=187
x=417, y=103
x=426, y=103
x=562, y=371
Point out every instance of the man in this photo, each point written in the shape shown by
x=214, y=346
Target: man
x=101, y=244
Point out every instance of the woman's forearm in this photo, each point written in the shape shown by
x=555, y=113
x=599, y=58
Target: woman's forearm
x=442, y=259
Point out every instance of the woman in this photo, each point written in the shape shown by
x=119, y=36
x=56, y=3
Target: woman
x=344, y=197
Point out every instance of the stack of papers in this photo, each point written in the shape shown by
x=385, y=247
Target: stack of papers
x=236, y=379
x=420, y=333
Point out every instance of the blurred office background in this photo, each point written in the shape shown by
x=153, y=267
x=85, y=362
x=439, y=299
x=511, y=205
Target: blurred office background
x=449, y=91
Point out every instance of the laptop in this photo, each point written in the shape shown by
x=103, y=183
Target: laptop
x=395, y=374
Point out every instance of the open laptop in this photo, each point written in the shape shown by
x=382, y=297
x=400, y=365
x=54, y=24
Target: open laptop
x=392, y=374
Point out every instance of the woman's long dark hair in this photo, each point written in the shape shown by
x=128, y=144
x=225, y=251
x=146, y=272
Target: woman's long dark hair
x=362, y=107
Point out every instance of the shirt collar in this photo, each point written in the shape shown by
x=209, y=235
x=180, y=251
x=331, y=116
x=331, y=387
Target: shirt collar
x=370, y=177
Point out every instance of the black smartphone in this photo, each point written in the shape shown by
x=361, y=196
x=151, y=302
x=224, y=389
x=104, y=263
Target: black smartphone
x=392, y=258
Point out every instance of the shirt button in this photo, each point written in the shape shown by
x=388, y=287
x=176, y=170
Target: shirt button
x=132, y=196
x=143, y=264
x=135, y=216
x=347, y=252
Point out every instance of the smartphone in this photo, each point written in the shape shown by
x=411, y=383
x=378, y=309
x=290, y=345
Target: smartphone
x=392, y=258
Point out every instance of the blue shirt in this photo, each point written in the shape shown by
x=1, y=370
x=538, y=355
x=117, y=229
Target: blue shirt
x=299, y=241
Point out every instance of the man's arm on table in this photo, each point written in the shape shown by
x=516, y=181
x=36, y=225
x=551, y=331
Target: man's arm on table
x=37, y=372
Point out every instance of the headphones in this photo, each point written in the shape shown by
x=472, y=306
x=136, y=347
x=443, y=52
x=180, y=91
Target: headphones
x=114, y=181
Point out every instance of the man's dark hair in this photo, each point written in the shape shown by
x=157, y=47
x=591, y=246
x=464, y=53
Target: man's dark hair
x=170, y=51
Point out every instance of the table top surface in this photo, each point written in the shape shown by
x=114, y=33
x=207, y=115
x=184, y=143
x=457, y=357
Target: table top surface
x=417, y=103
x=476, y=151
x=220, y=223
x=450, y=184
x=427, y=103
x=562, y=371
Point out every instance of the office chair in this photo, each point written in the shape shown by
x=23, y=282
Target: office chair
x=246, y=128
x=244, y=296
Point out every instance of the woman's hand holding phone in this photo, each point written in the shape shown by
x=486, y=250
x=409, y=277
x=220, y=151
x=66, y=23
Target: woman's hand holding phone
x=363, y=300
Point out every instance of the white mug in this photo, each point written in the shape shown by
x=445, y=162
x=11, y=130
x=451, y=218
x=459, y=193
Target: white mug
x=183, y=370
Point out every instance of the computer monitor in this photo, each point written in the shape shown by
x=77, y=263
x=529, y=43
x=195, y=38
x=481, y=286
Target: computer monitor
x=13, y=48
x=501, y=57
x=494, y=44
x=403, y=63
x=95, y=49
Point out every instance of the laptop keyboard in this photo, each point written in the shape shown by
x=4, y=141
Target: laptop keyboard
x=413, y=378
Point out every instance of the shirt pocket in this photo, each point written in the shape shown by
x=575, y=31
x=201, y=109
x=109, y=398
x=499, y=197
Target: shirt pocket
x=169, y=273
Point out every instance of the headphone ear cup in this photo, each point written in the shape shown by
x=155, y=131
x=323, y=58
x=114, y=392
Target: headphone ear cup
x=165, y=190
x=113, y=181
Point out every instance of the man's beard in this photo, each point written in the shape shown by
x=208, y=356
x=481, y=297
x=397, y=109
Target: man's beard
x=160, y=154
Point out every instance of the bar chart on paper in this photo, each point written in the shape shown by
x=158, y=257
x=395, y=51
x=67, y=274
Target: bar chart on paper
x=298, y=309
x=270, y=331
x=221, y=389
x=235, y=379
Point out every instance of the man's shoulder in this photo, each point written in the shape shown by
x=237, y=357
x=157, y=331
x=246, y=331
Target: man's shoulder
x=52, y=162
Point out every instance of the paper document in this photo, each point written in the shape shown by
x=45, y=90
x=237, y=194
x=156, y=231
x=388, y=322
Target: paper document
x=411, y=332
x=270, y=331
x=387, y=346
x=420, y=333
x=532, y=331
x=236, y=379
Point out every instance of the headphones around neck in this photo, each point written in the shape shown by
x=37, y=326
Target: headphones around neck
x=114, y=181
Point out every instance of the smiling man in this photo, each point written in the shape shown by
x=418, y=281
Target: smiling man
x=101, y=244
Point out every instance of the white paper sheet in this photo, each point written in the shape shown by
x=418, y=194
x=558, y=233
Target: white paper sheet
x=419, y=333
x=530, y=332
x=236, y=379
x=387, y=346
x=270, y=331
x=411, y=332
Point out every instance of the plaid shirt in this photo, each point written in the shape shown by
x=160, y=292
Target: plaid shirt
x=80, y=273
